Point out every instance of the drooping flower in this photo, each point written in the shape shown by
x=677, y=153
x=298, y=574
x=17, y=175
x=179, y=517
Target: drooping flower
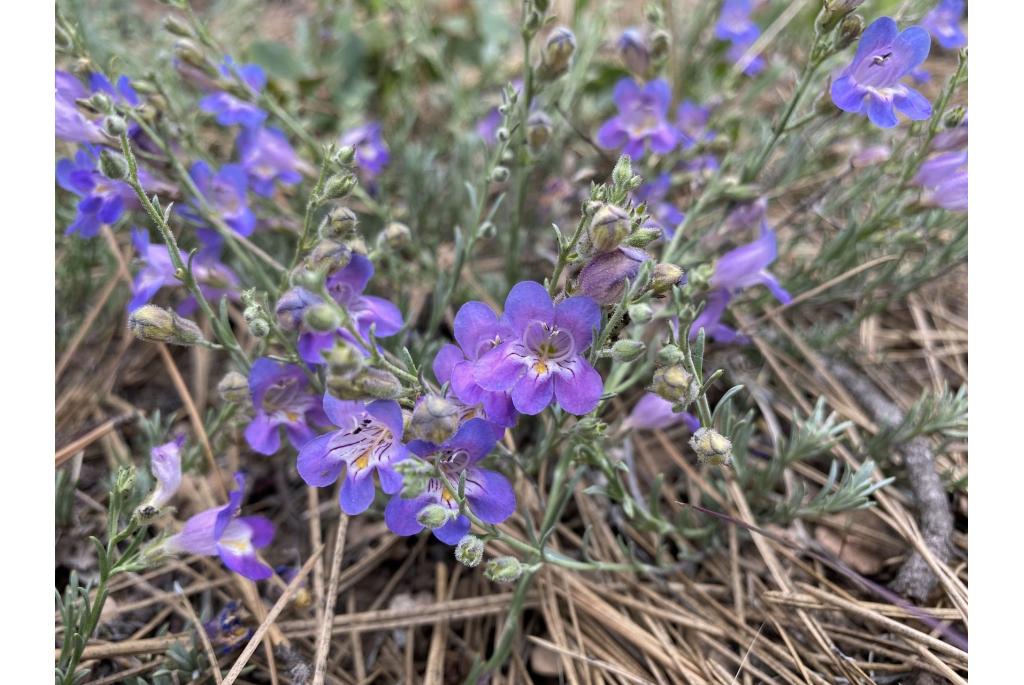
x=944, y=180
x=368, y=438
x=655, y=413
x=372, y=153
x=736, y=270
x=346, y=286
x=735, y=25
x=943, y=22
x=229, y=109
x=633, y=51
x=543, y=360
x=664, y=214
x=103, y=201
x=477, y=331
x=871, y=83
x=165, y=462
x=641, y=121
x=227, y=193
x=604, y=277
x=282, y=397
x=489, y=495
x=268, y=157
x=215, y=279
x=70, y=123
x=221, y=531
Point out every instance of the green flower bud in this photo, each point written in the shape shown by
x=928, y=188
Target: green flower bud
x=665, y=276
x=344, y=155
x=622, y=174
x=396, y=235
x=558, y=52
x=711, y=446
x=338, y=186
x=470, y=551
x=304, y=277
x=661, y=44
x=124, y=482
x=366, y=382
x=434, y=419
x=499, y=174
x=256, y=317
x=113, y=165
x=233, y=387
x=850, y=29
x=640, y=313
x=176, y=26
x=322, y=318
x=156, y=324
x=189, y=53
x=642, y=237
x=675, y=384
x=114, y=125
x=260, y=328
x=434, y=516
x=538, y=131
x=329, y=255
x=609, y=227
x=100, y=102
x=343, y=358
x=670, y=354
x=502, y=134
x=503, y=570
x=733, y=190
x=628, y=350
x=340, y=224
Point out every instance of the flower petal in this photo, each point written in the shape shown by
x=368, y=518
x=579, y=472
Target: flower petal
x=532, y=393
x=262, y=434
x=400, y=514
x=357, y=493
x=500, y=368
x=453, y=531
x=527, y=302
x=490, y=495
x=315, y=463
x=579, y=316
x=578, y=386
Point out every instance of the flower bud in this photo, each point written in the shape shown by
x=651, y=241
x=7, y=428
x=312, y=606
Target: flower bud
x=256, y=317
x=434, y=516
x=114, y=126
x=156, y=324
x=338, y=186
x=665, y=276
x=670, y=354
x=308, y=279
x=124, y=482
x=675, y=384
x=849, y=31
x=100, y=102
x=366, y=382
x=711, y=446
x=344, y=155
x=259, y=328
x=329, y=255
x=189, y=53
x=470, y=551
x=604, y=277
x=396, y=235
x=642, y=237
x=174, y=25
x=538, y=131
x=502, y=134
x=558, y=52
x=832, y=12
x=341, y=223
x=628, y=350
x=233, y=387
x=343, y=358
x=499, y=174
x=609, y=227
x=434, y=419
x=291, y=307
x=634, y=53
x=503, y=570
x=415, y=474
x=113, y=165
x=622, y=173
x=640, y=313
x=661, y=43
x=322, y=318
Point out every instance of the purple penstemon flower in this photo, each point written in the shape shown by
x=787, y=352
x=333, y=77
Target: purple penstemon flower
x=543, y=357
x=372, y=153
x=655, y=413
x=368, y=439
x=641, y=121
x=281, y=397
x=664, y=214
x=736, y=270
x=944, y=180
x=103, y=201
x=229, y=109
x=69, y=122
x=221, y=531
x=165, y=462
x=346, y=286
x=735, y=25
x=871, y=83
x=477, y=331
x=604, y=276
x=215, y=279
x=268, y=157
x=943, y=22
x=226, y=191
x=489, y=495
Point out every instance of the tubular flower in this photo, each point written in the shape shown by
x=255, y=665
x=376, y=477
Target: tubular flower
x=281, y=396
x=641, y=121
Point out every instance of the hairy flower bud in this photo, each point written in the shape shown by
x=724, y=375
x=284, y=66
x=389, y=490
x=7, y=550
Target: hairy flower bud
x=322, y=318
x=849, y=31
x=340, y=224
x=100, y=102
x=711, y=446
x=670, y=354
x=642, y=237
x=675, y=384
x=661, y=43
x=558, y=52
x=156, y=324
x=396, y=235
x=189, y=53
x=338, y=186
x=499, y=174
x=503, y=570
x=832, y=12
x=538, y=131
x=434, y=419
x=113, y=165
x=366, y=382
x=609, y=227
x=640, y=313
x=233, y=387
x=329, y=255
x=176, y=26
x=622, y=173
x=665, y=276
x=633, y=52
x=628, y=350
x=434, y=516
x=114, y=125
x=470, y=551
x=256, y=317
x=345, y=155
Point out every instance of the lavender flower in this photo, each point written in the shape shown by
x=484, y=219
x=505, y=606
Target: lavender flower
x=281, y=396
x=227, y=193
x=478, y=330
x=870, y=84
x=268, y=157
x=641, y=119
x=655, y=413
x=368, y=438
x=736, y=270
x=229, y=109
x=70, y=123
x=220, y=531
x=215, y=279
x=543, y=357
x=664, y=214
x=735, y=25
x=604, y=276
x=165, y=462
x=489, y=495
x=372, y=153
x=944, y=180
x=347, y=286
x=633, y=51
x=103, y=201
x=943, y=22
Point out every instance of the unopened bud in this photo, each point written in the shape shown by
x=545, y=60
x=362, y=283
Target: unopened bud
x=622, y=174
x=609, y=227
x=259, y=328
x=322, y=318
x=711, y=446
x=100, y=102
x=343, y=358
x=233, y=387
x=341, y=223
x=665, y=276
x=329, y=255
x=832, y=12
x=114, y=125
x=156, y=324
x=661, y=43
x=849, y=30
x=634, y=53
x=367, y=382
x=189, y=53
x=538, y=131
x=558, y=52
x=434, y=516
x=640, y=313
x=642, y=237
x=470, y=551
x=499, y=174
x=502, y=134
x=628, y=350
x=345, y=155
x=113, y=165
x=739, y=192
x=396, y=235
x=338, y=186
x=503, y=570
x=124, y=482
x=176, y=26
x=675, y=384
x=670, y=354
x=434, y=419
